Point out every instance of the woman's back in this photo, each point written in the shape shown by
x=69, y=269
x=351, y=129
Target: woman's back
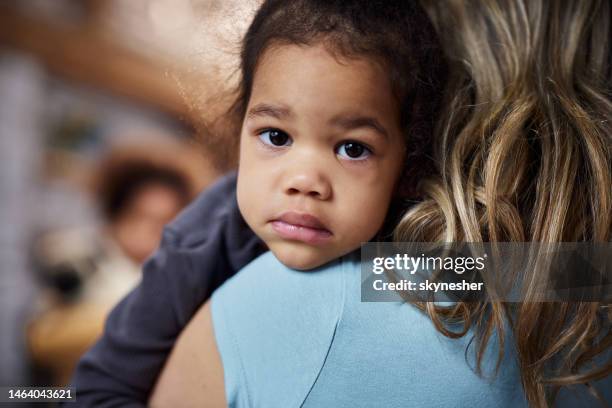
x=290, y=339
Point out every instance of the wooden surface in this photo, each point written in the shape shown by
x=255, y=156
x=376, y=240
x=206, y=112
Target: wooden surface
x=59, y=337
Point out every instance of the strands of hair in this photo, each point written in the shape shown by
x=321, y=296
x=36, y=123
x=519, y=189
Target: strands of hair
x=524, y=153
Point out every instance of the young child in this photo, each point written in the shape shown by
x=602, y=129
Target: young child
x=326, y=134
x=338, y=102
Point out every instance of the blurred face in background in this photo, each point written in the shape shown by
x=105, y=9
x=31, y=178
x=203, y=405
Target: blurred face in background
x=138, y=228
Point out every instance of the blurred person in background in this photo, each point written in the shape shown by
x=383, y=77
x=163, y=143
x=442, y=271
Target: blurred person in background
x=59, y=113
x=138, y=195
x=87, y=271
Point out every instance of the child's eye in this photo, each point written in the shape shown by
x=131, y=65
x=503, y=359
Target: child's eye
x=353, y=151
x=275, y=137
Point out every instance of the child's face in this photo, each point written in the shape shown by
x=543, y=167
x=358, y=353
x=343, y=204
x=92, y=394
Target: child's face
x=320, y=153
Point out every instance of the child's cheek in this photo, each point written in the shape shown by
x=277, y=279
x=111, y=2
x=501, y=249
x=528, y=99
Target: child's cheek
x=250, y=190
x=243, y=193
x=247, y=204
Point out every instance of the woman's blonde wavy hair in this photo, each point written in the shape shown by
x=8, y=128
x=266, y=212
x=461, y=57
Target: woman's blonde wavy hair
x=524, y=153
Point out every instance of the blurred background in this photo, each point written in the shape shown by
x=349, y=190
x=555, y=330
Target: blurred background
x=105, y=108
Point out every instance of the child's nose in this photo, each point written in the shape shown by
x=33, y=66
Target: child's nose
x=308, y=182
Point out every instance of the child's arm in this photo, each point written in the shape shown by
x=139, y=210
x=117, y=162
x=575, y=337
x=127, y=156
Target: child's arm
x=204, y=246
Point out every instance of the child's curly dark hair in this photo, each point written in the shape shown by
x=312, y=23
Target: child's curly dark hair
x=395, y=33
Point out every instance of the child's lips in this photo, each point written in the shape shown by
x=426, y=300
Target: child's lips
x=301, y=227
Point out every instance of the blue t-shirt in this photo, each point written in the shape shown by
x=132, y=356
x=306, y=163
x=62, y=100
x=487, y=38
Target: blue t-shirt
x=304, y=339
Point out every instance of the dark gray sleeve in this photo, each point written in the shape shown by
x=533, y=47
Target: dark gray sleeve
x=204, y=246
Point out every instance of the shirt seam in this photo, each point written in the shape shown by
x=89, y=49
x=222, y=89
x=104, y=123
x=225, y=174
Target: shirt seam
x=333, y=337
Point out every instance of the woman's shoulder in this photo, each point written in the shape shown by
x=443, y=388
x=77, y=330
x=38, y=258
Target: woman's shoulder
x=266, y=279
x=270, y=322
x=266, y=292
